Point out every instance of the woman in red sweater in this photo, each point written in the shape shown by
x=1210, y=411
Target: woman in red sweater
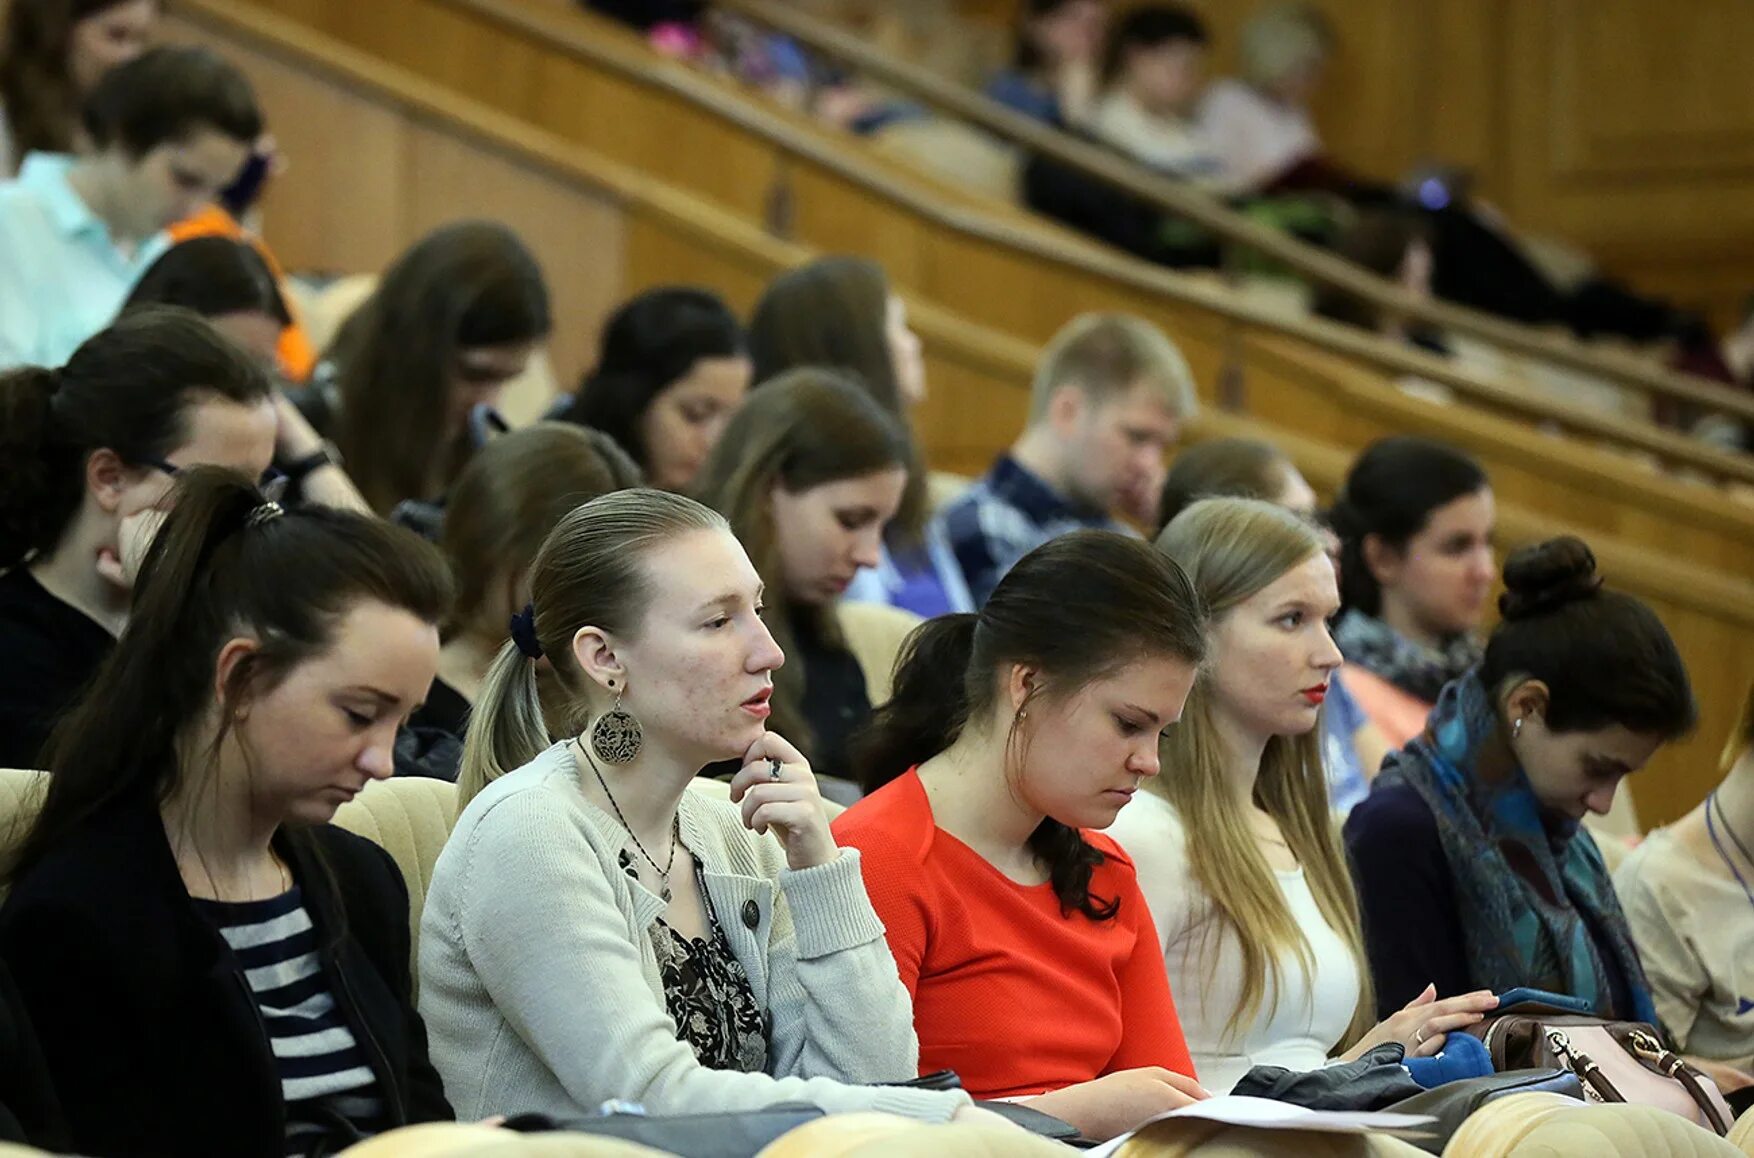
x=1021, y=935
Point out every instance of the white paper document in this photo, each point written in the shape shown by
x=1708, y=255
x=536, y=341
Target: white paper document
x=1265, y=1114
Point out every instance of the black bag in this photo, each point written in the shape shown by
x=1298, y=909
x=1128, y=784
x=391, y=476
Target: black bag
x=1453, y=1102
x=738, y=1135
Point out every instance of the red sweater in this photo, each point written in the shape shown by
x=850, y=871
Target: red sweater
x=1012, y=995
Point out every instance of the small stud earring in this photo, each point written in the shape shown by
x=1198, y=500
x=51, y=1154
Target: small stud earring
x=1516, y=729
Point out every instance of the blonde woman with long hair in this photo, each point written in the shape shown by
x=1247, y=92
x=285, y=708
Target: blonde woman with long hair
x=1235, y=845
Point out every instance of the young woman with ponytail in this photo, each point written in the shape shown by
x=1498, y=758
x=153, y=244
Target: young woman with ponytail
x=594, y=930
x=211, y=967
x=1013, y=733
x=89, y=451
x=1236, y=849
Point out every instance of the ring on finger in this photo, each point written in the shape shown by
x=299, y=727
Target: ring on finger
x=773, y=768
x=1419, y=1036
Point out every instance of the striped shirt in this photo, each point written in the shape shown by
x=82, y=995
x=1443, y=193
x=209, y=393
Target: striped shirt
x=327, y=1083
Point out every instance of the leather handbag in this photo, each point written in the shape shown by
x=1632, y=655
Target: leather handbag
x=1453, y=1102
x=1616, y=1061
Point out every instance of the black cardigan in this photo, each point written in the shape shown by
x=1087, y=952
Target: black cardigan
x=153, y=1040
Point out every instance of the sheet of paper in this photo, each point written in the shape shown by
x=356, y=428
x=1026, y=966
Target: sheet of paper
x=1265, y=1114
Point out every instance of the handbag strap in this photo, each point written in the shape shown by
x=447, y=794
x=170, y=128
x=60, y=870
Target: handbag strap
x=1583, y=1065
x=1649, y=1050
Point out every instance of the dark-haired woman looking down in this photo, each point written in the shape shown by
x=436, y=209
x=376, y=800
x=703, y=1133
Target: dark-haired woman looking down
x=211, y=967
x=1021, y=935
x=1472, y=871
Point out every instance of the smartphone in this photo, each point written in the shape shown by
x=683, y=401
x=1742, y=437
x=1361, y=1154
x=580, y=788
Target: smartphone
x=1525, y=996
x=241, y=194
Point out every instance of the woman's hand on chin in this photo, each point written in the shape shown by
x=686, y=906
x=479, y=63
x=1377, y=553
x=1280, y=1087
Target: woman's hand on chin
x=777, y=793
x=1116, y=1103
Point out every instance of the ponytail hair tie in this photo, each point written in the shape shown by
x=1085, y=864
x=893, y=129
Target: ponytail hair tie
x=524, y=632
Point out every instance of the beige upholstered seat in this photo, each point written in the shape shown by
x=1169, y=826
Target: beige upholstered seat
x=944, y=487
x=410, y=817
x=1549, y=1126
x=874, y=634
x=459, y=1140
x=874, y=1135
x=1176, y=1137
x=1742, y=1134
x=21, y=795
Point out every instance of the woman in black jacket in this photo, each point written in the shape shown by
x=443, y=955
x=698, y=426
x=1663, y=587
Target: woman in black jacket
x=211, y=968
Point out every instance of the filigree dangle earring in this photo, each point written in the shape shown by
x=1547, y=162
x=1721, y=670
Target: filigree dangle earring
x=617, y=736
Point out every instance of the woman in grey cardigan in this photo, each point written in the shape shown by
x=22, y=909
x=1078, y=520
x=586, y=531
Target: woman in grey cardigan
x=593, y=929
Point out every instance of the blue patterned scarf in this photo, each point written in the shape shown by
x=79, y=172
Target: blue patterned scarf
x=1530, y=887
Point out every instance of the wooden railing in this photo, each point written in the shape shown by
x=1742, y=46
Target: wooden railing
x=404, y=153
x=592, y=83
x=1185, y=201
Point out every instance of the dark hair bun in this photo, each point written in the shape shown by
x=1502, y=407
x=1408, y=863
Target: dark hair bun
x=1546, y=576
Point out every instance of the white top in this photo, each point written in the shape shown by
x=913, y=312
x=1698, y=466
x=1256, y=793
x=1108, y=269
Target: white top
x=1695, y=934
x=1258, y=138
x=540, y=987
x=1171, y=145
x=1205, y=962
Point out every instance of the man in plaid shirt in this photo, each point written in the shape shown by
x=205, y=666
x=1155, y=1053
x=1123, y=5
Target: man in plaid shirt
x=1109, y=399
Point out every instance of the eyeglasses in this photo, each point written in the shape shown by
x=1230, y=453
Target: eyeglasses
x=272, y=484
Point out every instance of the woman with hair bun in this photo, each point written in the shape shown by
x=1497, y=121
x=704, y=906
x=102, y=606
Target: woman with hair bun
x=1470, y=865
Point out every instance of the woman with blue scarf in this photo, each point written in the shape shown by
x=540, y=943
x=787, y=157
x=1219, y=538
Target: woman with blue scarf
x=1471, y=869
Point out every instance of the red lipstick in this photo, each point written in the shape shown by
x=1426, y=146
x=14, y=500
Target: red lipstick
x=1316, y=694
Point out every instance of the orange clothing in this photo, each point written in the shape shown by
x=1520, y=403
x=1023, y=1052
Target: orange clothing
x=295, y=354
x=1397, y=714
x=1015, y=997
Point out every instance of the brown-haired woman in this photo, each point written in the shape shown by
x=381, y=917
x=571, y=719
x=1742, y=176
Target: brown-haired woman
x=52, y=53
x=90, y=450
x=212, y=968
x=594, y=929
x=505, y=503
x=1471, y=868
x=401, y=388
x=809, y=473
x=1013, y=734
x=840, y=313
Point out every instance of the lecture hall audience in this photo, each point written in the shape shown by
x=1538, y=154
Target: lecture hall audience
x=1237, y=855
x=1688, y=890
x=1014, y=735
x=52, y=54
x=1109, y=398
x=506, y=501
x=840, y=313
x=168, y=130
x=1471, y=867
x=91, y=448
x=1054, y=71
x=408, y=386
x=1416, y=520
x=1250, y=468
x=1097, y=871
x=673, y=367
x=596, y=930
x=210, y=966
x=808, y=475
x=228, y=282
